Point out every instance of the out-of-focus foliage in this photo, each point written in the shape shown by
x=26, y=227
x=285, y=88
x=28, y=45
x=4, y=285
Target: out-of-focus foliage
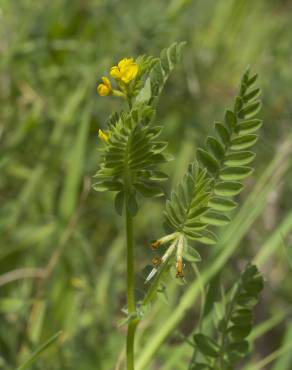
x=62, y=248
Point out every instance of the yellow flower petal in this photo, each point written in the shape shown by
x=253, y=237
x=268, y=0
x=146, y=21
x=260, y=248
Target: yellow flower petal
x=107, y=83
x=103, y=90
x=125, y=63
x=130, y=73
x=103, y=136
x=125, y=71
x=115, y=73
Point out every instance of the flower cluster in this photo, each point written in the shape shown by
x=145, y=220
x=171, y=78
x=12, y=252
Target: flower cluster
x=177, y=243
x=124, y=73
x=126, y=70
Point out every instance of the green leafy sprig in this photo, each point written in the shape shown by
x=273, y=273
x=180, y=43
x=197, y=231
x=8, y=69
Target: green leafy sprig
x=204, y=197
x=230, y=343
x=133, y=151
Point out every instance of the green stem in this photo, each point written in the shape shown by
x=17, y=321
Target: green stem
x=129, y=102
x=202, y=309
x=130, y=344
x=130, y=291
x=227, y=318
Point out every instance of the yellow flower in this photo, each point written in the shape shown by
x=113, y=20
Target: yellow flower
x=103, y=136
x=125, y=71
x=105, y=88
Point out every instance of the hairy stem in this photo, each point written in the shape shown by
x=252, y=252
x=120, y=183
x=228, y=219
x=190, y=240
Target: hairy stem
x=130, y=292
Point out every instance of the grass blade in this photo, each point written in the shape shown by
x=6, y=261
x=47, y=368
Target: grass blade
x=39, y=351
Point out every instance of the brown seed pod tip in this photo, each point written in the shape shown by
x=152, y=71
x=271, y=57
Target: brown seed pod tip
x=156, y=261
x=179, y=268
x=155, y=244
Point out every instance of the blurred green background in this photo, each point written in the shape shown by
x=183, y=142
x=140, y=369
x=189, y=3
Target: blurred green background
x=62, y=252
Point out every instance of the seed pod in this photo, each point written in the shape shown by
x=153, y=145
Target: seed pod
x=156, y=261
x=179, y=268
x=155, y=244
